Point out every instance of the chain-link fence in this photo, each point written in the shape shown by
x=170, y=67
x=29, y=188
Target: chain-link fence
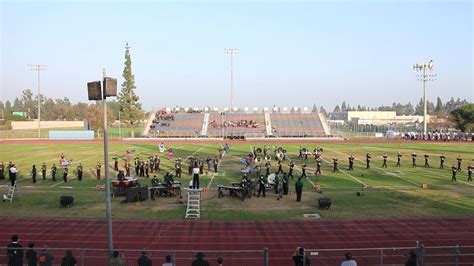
x=87, y=257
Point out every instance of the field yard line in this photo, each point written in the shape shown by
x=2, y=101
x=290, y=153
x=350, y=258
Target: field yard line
x=413, y=182
x=346, y=173
x=63, y=181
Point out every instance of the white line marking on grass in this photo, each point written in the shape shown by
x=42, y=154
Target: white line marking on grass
x=466, y=183
x=63, y=181
x=413, y=182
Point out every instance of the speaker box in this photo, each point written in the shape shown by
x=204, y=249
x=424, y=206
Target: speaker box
x=135, y=194
x=110, y=87
x=94, y=90
x=324, y=203
x=66, y=201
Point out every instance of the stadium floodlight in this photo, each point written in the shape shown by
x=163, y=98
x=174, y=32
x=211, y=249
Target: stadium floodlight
x=231, y=52
x=109, y=87
x=38, y=68
x=424, y=78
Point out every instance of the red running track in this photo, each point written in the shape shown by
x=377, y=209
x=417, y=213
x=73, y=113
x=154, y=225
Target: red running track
x=280, y=237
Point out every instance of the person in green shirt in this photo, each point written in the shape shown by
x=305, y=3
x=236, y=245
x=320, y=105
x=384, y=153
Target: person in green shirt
x=299, y=189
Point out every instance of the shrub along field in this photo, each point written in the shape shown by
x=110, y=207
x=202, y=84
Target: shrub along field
x=392, y=192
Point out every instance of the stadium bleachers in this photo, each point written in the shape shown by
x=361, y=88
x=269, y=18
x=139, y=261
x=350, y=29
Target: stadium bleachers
x=296, y=125
x=236, y=124
x=182, y=124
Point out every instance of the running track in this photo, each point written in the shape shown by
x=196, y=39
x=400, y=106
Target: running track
x=281, y=237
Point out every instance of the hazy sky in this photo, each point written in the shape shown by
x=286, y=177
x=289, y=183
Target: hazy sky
x=291, y=53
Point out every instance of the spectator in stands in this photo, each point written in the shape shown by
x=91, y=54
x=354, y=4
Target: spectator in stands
x=411, y=259
x=219, y=261
x=348, y=260
x=300, y=258
x=31, y=256
x=117, y=259
x=15, y=252
x=167, y=261
x=45, y=258
x=69, y=259
x=200, y=261
x=144, y=260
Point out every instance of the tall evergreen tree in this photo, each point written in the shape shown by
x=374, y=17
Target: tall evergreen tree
x=130, y=108
x=439, y=109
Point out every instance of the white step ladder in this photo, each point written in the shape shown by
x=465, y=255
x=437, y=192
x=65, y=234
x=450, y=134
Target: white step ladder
x=11, y=192
x=193, y=211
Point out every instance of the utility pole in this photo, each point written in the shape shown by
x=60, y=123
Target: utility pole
x=424, y=78
x=38, y=68
x=231, y=51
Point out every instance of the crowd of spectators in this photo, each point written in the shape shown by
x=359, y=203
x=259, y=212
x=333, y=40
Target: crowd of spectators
x=239, y=124
x=438, y=136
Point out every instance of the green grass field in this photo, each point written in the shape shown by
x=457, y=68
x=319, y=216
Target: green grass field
x=395, y=192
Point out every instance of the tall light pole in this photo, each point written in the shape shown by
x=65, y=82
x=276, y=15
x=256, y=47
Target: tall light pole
x=96, y=93
x=231, y=51
x=38, y=68
x=424, y=78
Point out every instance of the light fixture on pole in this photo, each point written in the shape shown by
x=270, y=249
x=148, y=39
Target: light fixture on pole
x=96, y=93
x=424, y=78
x=38, y=68
x=232, y=51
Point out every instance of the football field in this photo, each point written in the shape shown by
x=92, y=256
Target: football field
x=392, y=192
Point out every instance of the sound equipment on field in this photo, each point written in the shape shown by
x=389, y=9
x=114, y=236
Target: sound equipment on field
x=135, y=194
x=324, y=203
x=66, y=201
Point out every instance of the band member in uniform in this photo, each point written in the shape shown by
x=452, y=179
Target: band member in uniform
x=267, y=168
x=33, y=173
x=215, y=163
x=285, y=183
x=351, y=163
x=137, y=166
x=300, y=155
x=190, y=165
x=43, y=170
x=384, y=164
x=441, y=161
x=157, y=163
x=97, y=168
x=277, y=184
x=413, y=160
x=65, y=172
x=453, y=170
x=334, y=163
x=261, y=185
x=116, y=164
x=127, y=168
x=201, y=166
x=53, y=172
x=291, y=165
x=147, y=169
x=208, y=162
x=245, y=184
x=177, y=167
x=399, y=158
x=2, y=171
x=426, y=160
x=299, y=189
x=303, y=170
x=141, y=168
x=79, y=172
x=367, y=160
x=469, y=172
x=258, y=171
x=459, y=163
x=280, y=170
x=318, y=166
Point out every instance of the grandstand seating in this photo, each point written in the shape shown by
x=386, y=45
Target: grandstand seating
x=184, y=125
x=236, y=124
x=248, y=131
x=296, y=125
